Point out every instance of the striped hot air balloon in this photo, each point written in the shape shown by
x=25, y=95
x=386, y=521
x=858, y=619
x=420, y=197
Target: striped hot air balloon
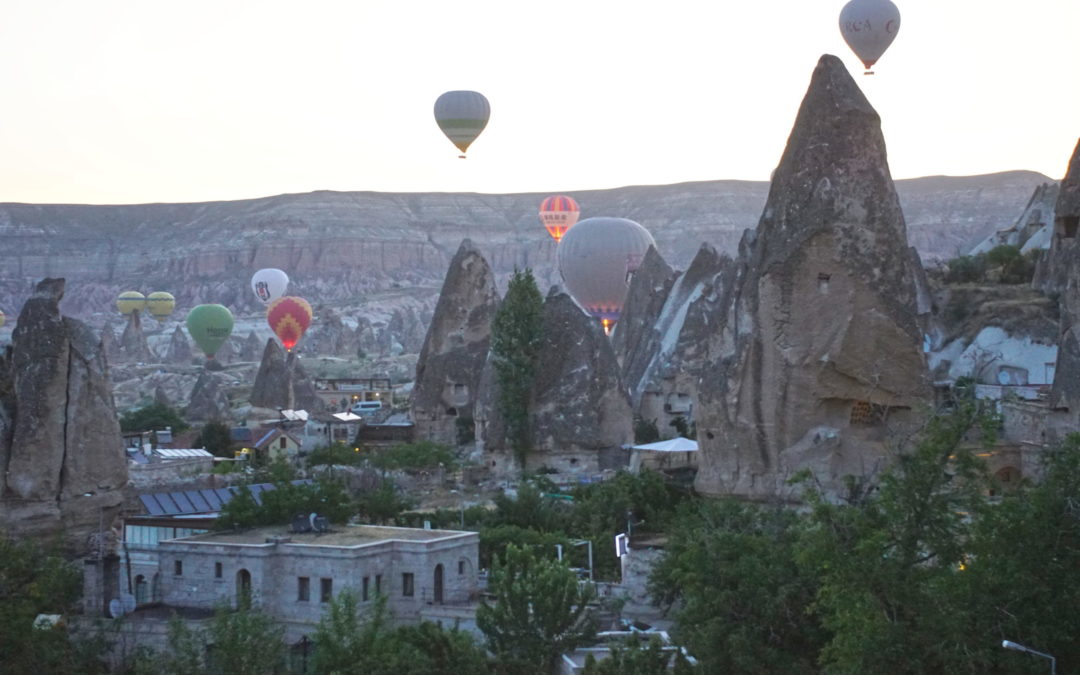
x=289, y=318
x=130, y=302
x=160, y=304
x=558, y=214
x=462, y=115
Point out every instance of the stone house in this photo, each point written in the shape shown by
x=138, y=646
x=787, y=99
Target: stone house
x=293, y=576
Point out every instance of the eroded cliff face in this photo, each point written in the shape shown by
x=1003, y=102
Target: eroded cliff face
x=60, y=445
x=345, y=248
x=1063, y=275
x=816, y=354
x=456, y=346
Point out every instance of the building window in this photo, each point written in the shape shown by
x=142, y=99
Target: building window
x=281, y=443
x=1070, y=225
x=407, y=584
x=326, y=590
x=178, y=567
x=217, y=570
x=378, y=584
x=303, y=589
x=364, y=589
x=823, y=283
x=461, y=567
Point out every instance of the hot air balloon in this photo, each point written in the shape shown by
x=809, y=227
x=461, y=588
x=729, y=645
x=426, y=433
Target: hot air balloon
x=160, y=304
x=869, y=27
x=289, y=318
x=558, y=214
x=210, y=326
x=596, y=259
x=462, y=115
x=130, y=302
x=269, y=284
x=2, y=319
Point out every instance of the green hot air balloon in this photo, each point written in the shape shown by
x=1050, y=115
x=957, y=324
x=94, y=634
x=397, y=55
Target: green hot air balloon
x=210, y=326
x=462, y=115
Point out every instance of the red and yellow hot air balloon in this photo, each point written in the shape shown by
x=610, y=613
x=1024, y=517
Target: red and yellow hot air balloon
x=289, y=318
x=558, y=214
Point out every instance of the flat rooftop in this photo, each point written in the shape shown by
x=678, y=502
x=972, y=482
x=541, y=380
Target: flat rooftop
x=340, y=535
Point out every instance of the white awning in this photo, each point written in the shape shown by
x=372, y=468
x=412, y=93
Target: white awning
x=673, y=445
x=347, y=417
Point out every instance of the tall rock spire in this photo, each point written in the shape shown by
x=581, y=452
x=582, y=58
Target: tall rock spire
x=817, y=351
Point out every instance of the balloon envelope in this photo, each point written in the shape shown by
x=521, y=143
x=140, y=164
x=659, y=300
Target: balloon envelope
x=596, y=259
x=130, y=302
x=558, y=214
x=869, y=27
x=160, y=304
x=289, y=318
x=462, y=115
x=269, y=284
x=210, y=326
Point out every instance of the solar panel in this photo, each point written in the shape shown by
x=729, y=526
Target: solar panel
x=197, y=500
x=168, y=504
x=151, y=504
x=182, y=502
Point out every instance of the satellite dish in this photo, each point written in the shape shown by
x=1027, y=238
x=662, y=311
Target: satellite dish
x=1004, y=377
x=311, y=521
x=116, y=608
x=128, y=602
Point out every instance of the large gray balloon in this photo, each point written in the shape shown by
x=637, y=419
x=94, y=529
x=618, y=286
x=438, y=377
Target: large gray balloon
x=462, y=115
x=869, y=27
x=596, y=258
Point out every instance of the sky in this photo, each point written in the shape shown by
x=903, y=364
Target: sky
x=132, y=101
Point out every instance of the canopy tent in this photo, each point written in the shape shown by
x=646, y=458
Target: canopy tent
x=673, y=445
x=664, y=455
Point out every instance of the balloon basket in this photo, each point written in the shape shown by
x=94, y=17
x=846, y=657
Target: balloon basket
x=461, y=157
x=868, y=72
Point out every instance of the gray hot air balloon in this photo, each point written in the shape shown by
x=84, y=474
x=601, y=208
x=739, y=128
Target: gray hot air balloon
x=462, y=115
x=869, y=27
x=596, y=259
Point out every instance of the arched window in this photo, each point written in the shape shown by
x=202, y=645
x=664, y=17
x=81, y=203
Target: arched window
x=243, y=588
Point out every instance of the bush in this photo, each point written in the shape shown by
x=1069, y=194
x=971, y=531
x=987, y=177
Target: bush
x=645, y=431
x=155, y=416
x=422, y=455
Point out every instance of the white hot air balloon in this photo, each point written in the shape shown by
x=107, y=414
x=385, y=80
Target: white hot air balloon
x=596, y=259
x=269, y=284
x=869, y=27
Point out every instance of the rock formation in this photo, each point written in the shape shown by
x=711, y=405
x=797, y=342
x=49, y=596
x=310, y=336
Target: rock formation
x=252, y=348
x=226, y=353
x=456, y=347
x=1063, y=275
x=579, y=412
x=133, y=344
x=634, y=340
x=330, y=336
x=61, y=452
x=209, y=398
x=179, y=350
x=817, y=353
x=1034, y=228
x=272, y=388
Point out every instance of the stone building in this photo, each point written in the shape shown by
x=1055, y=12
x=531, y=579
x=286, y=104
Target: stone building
x=292, y=576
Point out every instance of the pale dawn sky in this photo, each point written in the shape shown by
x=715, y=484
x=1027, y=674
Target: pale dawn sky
x=126, y=101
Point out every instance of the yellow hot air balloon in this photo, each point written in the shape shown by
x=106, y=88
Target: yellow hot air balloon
x=130, y=302
x=160, y=304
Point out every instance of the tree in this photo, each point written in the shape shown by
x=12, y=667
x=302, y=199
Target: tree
x=742, y=601
x=516, y=334
x=382, y=504
x=153, y=417
x=645, y=431
x=353, y=639
x=540, y=612
x=889, y=565
x=216, y=437
x=324, y=496
x=240, y=642
x=37, y=580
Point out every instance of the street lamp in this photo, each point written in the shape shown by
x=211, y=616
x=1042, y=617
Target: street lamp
x=1009, y=644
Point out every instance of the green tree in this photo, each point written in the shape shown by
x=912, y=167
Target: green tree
x=153, y=417
x=741, y=599
x=324, y=496
x=645, y=431
x=334, y=454
x=635, y=656
x=38, y=580
x=889, y=565
x=216, y=437
x=382, y=504
x=540, y=612
x=516, y=334
x=235, y=642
